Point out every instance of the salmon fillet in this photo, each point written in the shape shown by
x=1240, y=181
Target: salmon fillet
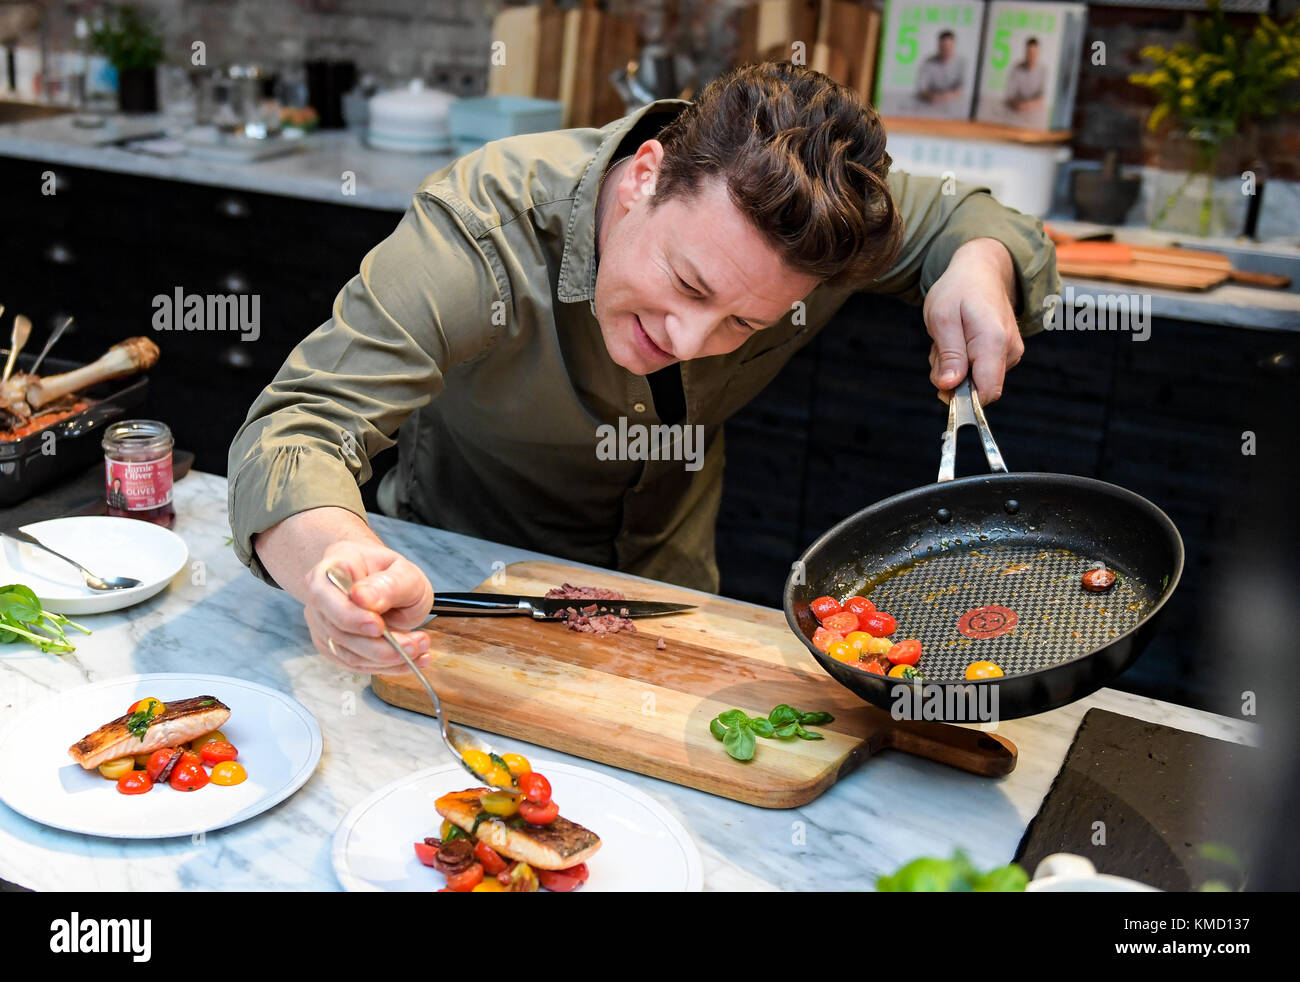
x=556, y=846
x=183, y=720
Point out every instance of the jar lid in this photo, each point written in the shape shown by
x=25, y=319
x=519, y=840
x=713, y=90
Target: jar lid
x=127, y=434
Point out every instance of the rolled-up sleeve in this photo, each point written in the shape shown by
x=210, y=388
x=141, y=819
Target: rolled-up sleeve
x=422, y=302
x=937, y=224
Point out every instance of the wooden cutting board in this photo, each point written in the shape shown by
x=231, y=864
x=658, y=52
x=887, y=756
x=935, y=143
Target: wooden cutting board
x=621, y=701
x=1171, y=276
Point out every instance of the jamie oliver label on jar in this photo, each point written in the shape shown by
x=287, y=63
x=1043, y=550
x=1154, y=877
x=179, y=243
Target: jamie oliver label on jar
x=138, y=471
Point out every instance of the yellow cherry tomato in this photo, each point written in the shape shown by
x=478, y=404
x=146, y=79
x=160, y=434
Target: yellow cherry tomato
x=500, y=803
x=479, y=762
x=216, y=736
x=842, y=651
x=897, y=671
x=864, y=644
x=141, y=760
x=155, y=706
x=499, y=777
x=113, y=769
x=490, y=884
x=518, y=764
x=983, y=670
x=228, y=773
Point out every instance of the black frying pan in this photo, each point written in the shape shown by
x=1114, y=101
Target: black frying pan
x=988, y=568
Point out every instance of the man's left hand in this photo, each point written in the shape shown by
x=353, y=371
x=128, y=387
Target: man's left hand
x=970, y=317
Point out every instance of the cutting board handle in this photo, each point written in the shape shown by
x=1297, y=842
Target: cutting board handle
x=966, y=748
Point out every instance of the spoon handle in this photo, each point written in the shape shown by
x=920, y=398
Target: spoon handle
x=31, y=540
x=58, y=333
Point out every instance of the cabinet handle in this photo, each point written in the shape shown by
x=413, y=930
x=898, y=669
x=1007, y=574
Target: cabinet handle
x=233, y=207
x=60, y=254
x=236, y=356
x=235, y=282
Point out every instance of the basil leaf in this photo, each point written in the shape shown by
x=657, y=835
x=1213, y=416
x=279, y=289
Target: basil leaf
x=455, y=832
x=717, y=728
x=803, y=734
x=762, y=727
x=740, y=743
x=733, y=717
x=815, y=719
x=782, y=715
x=786, y=731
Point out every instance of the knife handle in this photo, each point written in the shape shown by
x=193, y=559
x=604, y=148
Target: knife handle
x=469, y=603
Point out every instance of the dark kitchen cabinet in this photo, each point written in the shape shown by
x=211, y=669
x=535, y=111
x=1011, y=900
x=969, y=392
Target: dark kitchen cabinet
x=105, y=244
x=853, y=419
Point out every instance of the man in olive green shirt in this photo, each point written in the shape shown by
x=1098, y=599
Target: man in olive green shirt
x=550, y=290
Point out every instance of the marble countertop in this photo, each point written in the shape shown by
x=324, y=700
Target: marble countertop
x=890, y=810
x=316, y=171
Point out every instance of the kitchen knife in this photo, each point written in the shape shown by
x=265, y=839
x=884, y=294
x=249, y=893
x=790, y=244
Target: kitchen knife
x=545, y=608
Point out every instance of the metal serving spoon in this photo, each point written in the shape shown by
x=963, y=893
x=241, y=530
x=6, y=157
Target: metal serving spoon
x=94, y=582
x=458, y=741
x=58, y=333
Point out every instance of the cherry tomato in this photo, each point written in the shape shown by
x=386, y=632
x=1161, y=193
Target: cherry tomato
x=905, y=652
x=872, y=666
x=425, y=853
x=842, y=651
x=466, y=880
x=1099, y=580
x=188, y=774
x=155, y=706
x=217, y=751
x=983, y=670
x=157, y=761
x=114, y=769
x=563, y=880
x=535, y=814
x=843, y=622
x=535, y=788
x=134, y=782
x=517, y=763
x=866, y=645
x=904, y=672
x=823, y=638
x=228, y=773
x=860, y=606
x=489, y=886
x=492, y=863
x=878, y=624
x=824, y=607
x=216, y=736
x=500, y=803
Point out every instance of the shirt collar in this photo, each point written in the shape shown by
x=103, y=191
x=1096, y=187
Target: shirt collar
x=577, y=279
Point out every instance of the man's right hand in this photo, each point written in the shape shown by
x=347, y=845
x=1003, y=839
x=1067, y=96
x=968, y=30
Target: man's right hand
x=387, y=587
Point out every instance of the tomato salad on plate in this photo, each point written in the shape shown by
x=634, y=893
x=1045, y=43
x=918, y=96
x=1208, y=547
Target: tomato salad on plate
x=503, y=842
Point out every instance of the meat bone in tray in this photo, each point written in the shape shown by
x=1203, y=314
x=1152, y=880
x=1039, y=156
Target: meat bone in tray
x=621, y=700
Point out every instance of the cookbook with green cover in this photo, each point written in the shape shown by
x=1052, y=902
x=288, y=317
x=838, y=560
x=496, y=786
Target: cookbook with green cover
x=1029, y=70
x=928, y=53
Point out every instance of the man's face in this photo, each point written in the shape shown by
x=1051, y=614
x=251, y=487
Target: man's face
x=1031, y=55
x=688, y=279
x=947, y=47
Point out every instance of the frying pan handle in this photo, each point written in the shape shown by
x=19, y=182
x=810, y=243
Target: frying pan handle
x=964, y=409
x=963, y=747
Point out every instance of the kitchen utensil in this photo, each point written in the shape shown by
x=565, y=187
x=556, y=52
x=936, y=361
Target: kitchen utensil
x=91, y=580
x=22, y=330
x=458, y=741
x=545, y=608
x=58, y=333
x=987, y=568
x=1121, y=259
x=149, y=552
x=644, y=848
x=278, y=739
x=623, y=700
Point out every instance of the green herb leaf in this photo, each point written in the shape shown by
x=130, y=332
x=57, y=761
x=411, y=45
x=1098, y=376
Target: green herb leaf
x=803, y=734
x=815, y=719
x=138, y=723
x=740, y=743
x=455, y=832
x=762, y=727
x=718, y=728
x=500, y=762
x=734, y=717
x=782, y=715
x=787, y=731
x=22, y=617
x=207, y=702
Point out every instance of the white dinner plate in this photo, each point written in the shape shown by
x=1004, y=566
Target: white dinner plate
x=278, y=740
x=643, y=847
x=105, y=546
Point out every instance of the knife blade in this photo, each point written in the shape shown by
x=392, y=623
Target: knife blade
x=545, y=608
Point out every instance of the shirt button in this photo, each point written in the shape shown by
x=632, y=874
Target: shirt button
x=639, y=407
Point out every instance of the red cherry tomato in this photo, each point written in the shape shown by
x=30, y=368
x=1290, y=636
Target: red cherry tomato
x=158, y=760
x=1099, y=580
x=188, y=774
x=823, y=638
x=467, y=879
x=134, y=782
x=878, y=625
x=215, y=753
x=859, y=606
x=905, y=652
x=563, y=880
x=873, y=667
x=843, y=622
x=535, y=814
x=535, y=788
x=425, y=853
x=823, y=607
x=492, y=863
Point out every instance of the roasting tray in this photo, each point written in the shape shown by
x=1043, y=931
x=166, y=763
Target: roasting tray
x=25, y=469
